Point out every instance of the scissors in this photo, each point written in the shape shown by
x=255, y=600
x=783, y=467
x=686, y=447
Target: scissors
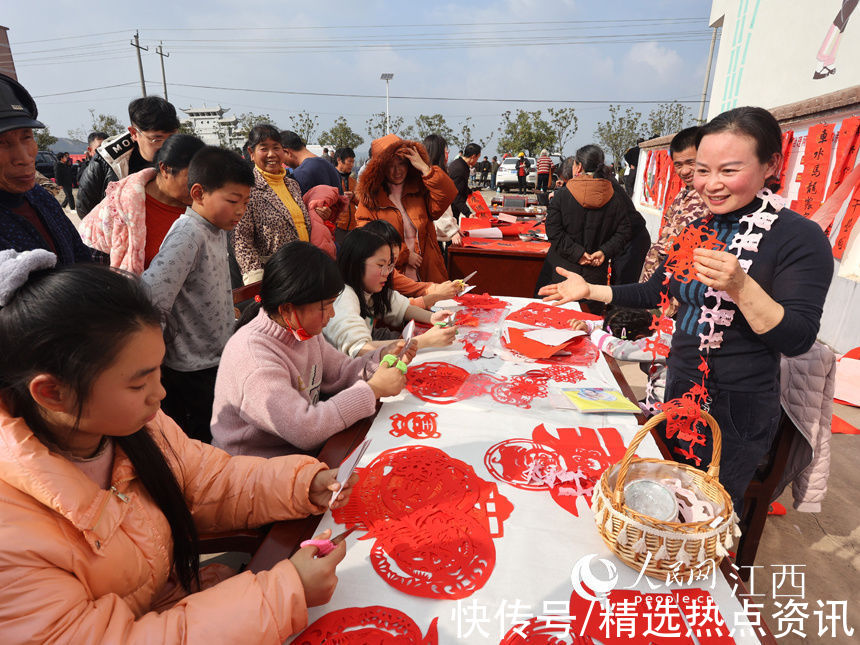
x=397, y=361
x=464, y=281
x=324, y=547
x=446, y=322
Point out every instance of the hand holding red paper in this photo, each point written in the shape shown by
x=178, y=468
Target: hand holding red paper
x=318, y=574
x=573, y=288
x=325, y=483
x=719, y=270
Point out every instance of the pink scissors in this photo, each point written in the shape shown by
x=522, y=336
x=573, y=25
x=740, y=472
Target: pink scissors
x=324, y=547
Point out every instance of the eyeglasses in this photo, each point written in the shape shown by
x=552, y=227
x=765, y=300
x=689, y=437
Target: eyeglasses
x=151, y=139
x=384, y=269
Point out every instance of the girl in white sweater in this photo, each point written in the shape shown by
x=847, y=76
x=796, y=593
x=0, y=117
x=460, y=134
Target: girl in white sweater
x=368, y=301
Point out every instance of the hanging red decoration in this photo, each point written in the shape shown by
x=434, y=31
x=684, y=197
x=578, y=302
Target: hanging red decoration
x=417, y=425
x=433, y=520
x=816, y=164
x=374, y=625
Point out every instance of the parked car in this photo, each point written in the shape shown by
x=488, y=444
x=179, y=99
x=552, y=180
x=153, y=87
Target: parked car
x=45, y=160
x=506, y=175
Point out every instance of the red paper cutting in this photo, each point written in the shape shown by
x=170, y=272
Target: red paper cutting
x=417, y=425
x=472, y=352
x=538, y=314
x=582, y=352
x=435, y=381
x=483, y=301
x=484, y=316
x=679, y=260
x=532, y=348
x=474, y=336
x=520, y=391
x=465, y=319
x=508, y=460
x=563, y=374
x=374, y=625
x=430, y=515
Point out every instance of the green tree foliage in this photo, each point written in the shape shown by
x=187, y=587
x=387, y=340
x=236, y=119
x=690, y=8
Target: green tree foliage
x=107, y=123
x=187, y=127
x=667, y=118
x=619, y=132
x=305, y=125
x=564, y=125
x=464, y=134
x=247, y=120
x=44, y=138
x=525, y=132
x=341, y=135
x=376, y=126
x=433, y=123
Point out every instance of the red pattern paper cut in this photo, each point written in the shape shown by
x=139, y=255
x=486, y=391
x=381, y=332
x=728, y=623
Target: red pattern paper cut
x=484, y=316
x=436, y=382
x=538, y=314
x=679, y=260
x=520, y=391
x=816, y=163
x=417, y=425
x=465, y=319
x=430, y=516
x=787, y=140
x=474, y=336
x=846, y=152
x=483, y=301
x=569, y=464
x=563, y=374
x=374, y=625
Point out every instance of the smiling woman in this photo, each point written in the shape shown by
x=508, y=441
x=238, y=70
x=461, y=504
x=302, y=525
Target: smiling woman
x=276, y=213
x=30, y=218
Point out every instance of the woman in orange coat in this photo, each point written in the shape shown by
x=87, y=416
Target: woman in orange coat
x=401, y=187
x=102, y=496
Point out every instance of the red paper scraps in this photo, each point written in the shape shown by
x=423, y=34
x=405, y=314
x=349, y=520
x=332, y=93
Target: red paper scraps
x=846, y=151
x=816, y=162
x=472, y=352
x=417, y=425
x=848, y=222
x=430, y=515
x=539, y=314
x=374, y=625
x=483, y=301
x=569, y=464
x=582, y=352
x=465, y=319
x=484, y=316
x=474, y=336
x=679, y=260
x=532, y=348
x=841, y=426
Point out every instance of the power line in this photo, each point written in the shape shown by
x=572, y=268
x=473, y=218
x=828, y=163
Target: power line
x=89, y=89
x=421, y=98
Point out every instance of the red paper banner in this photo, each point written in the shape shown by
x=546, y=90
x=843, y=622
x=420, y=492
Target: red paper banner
x=787, y=140
x=846, y=151
x=816, y=163
x=848, y=222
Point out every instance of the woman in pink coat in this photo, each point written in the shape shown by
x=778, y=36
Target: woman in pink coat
x=130, y=223
x=102, y=496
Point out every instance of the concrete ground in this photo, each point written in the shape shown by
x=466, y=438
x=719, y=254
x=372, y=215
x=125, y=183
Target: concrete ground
x=824, y=546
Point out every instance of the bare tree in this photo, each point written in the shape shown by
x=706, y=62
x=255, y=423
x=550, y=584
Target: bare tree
x=620, y=131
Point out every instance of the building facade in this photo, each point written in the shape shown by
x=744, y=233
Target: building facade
x=210, y=124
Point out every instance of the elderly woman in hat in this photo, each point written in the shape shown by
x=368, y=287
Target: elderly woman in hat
x=401, y=187
x=30, y=217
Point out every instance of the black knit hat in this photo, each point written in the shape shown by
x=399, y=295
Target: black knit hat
x=17, y=107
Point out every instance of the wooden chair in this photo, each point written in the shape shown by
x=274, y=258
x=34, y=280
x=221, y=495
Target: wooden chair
x=759, y=494
x=243, y=295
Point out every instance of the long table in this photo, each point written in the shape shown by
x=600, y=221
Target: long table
x=541, y=542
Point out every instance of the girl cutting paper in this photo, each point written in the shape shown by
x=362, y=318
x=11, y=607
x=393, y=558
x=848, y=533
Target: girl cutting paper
x=274, y=369
x=368, y=301
x=102, y=496
x=741, y=307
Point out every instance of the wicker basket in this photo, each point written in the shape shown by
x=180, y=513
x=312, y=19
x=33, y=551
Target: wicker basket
x=677, y=549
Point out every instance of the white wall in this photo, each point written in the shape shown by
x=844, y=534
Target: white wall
x=768, y=50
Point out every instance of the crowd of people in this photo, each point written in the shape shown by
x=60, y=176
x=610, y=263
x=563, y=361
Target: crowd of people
x=137, y=414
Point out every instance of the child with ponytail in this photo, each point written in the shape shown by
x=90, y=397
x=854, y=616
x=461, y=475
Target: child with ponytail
x=102, y=496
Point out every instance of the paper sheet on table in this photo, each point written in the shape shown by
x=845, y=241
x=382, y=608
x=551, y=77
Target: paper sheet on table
x=507, y=217
x=489, y=233
x=446, y=304
x=530, y=348
x=848, y=381
x=551, y=336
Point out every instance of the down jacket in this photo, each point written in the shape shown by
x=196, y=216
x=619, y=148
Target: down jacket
x=424, y=198
x=586, y=215
x=807, y=383
x=79, y=564
x=117, y=224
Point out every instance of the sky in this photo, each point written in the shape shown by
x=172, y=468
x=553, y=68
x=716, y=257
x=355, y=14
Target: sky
x=250, y=54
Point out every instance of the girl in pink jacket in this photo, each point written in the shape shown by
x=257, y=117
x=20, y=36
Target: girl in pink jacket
x=274, y=370
x=102, y=496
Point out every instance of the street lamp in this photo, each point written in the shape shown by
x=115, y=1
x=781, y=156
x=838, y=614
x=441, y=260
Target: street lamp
x=387, y=78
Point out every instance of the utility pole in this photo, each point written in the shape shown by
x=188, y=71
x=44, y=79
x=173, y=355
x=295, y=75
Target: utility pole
x=136, y=44
x=701, y=118
x=160, y=52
